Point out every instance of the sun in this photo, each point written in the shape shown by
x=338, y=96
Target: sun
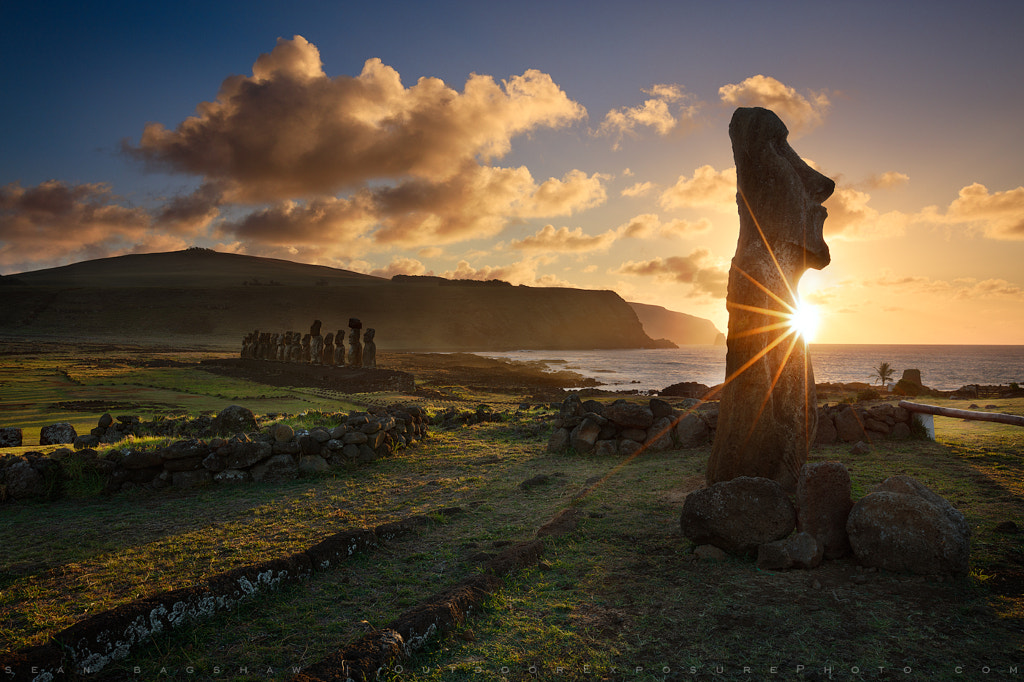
x=804, y=320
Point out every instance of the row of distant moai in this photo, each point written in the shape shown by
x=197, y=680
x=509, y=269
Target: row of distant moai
x=314, y=349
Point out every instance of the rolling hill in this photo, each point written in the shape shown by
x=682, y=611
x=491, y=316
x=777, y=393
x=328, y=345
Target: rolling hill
x=205, y=298
x=679, y=328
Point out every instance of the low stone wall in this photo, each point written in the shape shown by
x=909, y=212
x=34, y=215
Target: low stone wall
x=276, y=453
x=848, y=423
x=623, y=428
x=91, y=644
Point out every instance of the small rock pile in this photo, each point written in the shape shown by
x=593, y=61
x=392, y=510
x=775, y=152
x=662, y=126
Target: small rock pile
x=107, y=431
x=900, y=526
x=241, y=452
x=623, y=428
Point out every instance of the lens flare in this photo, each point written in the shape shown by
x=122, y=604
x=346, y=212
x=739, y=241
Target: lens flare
x=804, y=320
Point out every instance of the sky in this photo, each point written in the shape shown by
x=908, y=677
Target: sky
x=576, y=144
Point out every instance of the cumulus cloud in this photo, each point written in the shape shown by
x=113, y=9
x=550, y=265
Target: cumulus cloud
x=649, y=225
x=697, y=269
x=563, y=239
x=321, y=222
x=522, y=272
x=190, y=213
x=638, y=189
x=797, y=111
x=669, y=108
x=55, y=221
x=400, y=266
x=478, y=203
x=1000, y=214
x=290, y=131
x=887, y=179
x=707, y=188
x=851, y=218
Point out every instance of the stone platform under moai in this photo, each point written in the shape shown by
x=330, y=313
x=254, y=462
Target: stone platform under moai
x=346, y=379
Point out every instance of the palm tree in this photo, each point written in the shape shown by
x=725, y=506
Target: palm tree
x=884, y=373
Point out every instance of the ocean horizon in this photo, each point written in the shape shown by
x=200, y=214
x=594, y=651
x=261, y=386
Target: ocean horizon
x=943, y=367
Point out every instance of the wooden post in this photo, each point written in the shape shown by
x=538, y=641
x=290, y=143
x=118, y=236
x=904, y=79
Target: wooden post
x=998, y=417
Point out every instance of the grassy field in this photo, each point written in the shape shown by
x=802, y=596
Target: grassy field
x=620, y=597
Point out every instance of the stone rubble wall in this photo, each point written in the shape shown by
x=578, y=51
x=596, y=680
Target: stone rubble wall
x=91, y=644
x=623, y=428
x=276, y=453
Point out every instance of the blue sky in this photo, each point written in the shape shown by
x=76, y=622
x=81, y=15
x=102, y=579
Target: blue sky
x=594, y=152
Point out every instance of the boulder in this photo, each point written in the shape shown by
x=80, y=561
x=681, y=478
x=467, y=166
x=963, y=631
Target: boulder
x=184, y=449
x=850, y=426
x=275, y=469
x=86, y=441
x=313, y=464
x=904, y=526
x=738, y=515
x=23, y=482
x=142, y=459
x=660, y=408
x=629, y=415
x=606, y=448
x=823, y=502
x=241, y=455
x=281, y=432
x=234, y=419
x=826, y=434
x=61, y=433
x=10, y=437
x=659, y=435
x=799, y=550
x=692, y=431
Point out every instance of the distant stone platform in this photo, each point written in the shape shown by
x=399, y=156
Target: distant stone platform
x=345, y=379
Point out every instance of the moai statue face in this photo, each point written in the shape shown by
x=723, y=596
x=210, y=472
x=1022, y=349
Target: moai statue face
x=777, y=191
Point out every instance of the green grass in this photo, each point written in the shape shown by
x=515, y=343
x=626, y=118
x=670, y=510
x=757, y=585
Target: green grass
x=621, y=592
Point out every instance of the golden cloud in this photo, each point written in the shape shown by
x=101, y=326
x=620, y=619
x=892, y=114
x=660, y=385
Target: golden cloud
x=400, y=266
x=649, y=224
x=851, y=218
x=638, y=189
x=1001, y=214
x=563, y=239
x=55, y=222
x=798, y=112
x=707, y=188
x=290, y=131
x=696, y=269
x=669, y=108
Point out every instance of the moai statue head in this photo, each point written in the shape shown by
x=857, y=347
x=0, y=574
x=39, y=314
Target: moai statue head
x=368, y=335
x=329, y=339
x=779, y=196
x=314, y=329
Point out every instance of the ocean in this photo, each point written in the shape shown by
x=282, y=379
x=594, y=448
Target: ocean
x=944, y=368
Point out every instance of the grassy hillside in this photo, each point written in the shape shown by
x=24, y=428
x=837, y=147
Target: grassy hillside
x=200, y=297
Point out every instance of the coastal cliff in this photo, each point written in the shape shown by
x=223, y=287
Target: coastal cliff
x=198, y=296
x=679, y=328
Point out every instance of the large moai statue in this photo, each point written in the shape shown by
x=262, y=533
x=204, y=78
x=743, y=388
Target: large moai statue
x=767, y=415
x=304, y=354
x=279, y=351
x=369, y=349
x=316, y=344
x=295, y=355
x=355, y=348
x=339, y=348
x=329, y=349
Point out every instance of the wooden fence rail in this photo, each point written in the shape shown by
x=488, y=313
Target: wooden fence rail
x=998, y=417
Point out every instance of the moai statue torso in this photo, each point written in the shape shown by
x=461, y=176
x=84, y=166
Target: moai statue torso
x=355, y=349
x=369, y=349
